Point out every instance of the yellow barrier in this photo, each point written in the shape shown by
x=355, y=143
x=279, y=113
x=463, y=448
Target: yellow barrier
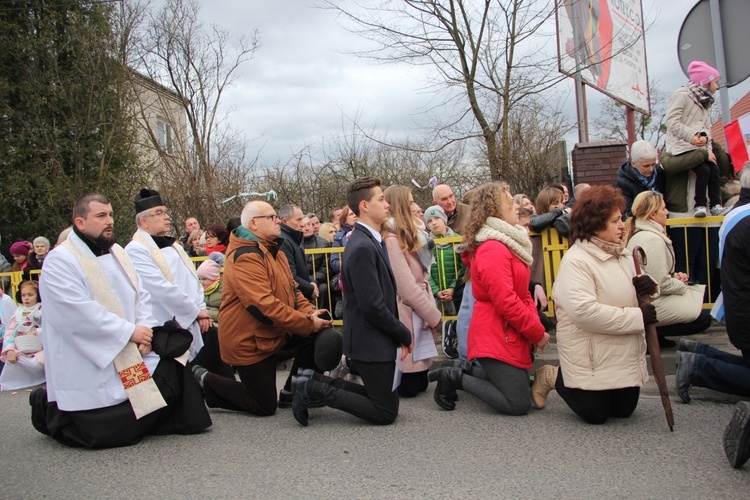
x=553, y=248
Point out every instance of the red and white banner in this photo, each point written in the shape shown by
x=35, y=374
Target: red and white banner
x=604, y=40
x=738, y=141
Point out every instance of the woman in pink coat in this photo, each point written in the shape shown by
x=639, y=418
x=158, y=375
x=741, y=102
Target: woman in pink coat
x=410, y=254
x=505, y=326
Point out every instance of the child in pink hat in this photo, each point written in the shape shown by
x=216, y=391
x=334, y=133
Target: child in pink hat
x=690, y=148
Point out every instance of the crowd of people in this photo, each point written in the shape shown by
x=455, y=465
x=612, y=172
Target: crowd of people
x=138, y=340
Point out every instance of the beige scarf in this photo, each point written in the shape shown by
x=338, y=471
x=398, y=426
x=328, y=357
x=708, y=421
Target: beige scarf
x=159, y=259
x=140, y=388
x=516, y=238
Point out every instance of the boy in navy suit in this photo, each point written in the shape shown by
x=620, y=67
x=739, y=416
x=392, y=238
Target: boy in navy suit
x=372, y=331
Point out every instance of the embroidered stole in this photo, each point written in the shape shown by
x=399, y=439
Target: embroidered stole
x=140, y=388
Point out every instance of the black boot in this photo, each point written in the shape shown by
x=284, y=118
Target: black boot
x=448, y=380
x=307, y=391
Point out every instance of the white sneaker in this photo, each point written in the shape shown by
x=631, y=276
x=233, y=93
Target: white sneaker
x=700, y=212
x=719, y=210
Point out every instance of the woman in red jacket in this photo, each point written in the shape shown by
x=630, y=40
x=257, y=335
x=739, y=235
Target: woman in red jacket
x=505, y=326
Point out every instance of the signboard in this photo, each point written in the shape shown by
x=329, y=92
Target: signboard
x=604, y=39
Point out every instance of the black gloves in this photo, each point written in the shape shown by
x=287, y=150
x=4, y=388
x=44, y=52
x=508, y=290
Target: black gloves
x=649, y=314
x=644, y=285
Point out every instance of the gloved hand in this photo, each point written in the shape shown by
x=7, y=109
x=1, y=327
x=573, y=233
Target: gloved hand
x=644, y=285
x=649, y=314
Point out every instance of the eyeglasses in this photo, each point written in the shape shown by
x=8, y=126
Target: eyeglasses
x=272, y=217
x=160, y=213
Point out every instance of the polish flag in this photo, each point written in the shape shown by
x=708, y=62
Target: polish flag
x=738, y=138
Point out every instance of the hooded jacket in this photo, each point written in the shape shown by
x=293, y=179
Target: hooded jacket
x=261, y=306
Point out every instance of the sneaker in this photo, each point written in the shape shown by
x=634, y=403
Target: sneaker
x=450, y=339
x=200, y=375
x=718, y=210
x=700, y=212
x=737, y=436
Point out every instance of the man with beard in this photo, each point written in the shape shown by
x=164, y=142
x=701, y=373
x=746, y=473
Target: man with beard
x=105, y=385
x=167, y=272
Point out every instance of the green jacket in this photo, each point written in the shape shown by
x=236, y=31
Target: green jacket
x=446, y=268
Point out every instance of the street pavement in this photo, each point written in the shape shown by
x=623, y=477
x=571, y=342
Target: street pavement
x=428, y=452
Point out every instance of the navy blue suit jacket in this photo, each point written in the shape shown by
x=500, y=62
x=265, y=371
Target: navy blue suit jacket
x=372, y=331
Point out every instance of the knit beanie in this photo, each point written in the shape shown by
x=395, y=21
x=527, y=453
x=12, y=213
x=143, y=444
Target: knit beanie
x=702, y=73
x=20, y=248
x=435, y=211
x=210, y=269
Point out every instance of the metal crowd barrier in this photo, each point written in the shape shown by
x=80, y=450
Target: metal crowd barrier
x=695, y=242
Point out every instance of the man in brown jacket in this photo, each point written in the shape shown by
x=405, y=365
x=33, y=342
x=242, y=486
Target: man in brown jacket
x=262, y=311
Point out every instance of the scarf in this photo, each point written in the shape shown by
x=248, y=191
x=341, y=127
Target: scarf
x=647, y=182
x=158, y=257
x=700, y=92
x=209, y=289
x=221, y=248
x=516, y=238
x=610, y=248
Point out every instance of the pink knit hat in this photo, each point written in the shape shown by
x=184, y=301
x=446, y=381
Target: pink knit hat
x=20, y=248
x=209, y=270
x=702, y=73
x=211, y=267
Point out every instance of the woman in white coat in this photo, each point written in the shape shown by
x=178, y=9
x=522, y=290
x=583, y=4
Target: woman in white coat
x=679, y=305
x=600, y=326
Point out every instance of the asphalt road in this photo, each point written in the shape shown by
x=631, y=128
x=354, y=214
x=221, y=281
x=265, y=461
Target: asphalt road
x=428, y=452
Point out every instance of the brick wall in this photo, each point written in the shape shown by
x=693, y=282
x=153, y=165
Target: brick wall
x=597, y=162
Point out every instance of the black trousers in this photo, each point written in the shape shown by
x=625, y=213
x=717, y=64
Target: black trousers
x=699, y=324
x=595, y=407
x=707, y=176
x=256, y=390
x=374, y=401
x=209, y=356
x=116, y=425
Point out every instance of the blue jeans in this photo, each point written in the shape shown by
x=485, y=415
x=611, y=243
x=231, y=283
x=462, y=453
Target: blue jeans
x=721, y=371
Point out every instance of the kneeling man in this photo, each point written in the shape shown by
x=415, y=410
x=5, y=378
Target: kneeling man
x=105, y=385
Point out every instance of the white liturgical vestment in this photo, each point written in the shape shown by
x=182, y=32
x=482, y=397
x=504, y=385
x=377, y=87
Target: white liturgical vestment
x=81, y=337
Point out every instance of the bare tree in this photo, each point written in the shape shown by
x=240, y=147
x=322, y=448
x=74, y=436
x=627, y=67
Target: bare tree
x=201, y=159
x=494, y=52
x=610, y=122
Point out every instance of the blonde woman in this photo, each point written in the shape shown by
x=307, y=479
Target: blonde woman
x=677, y=309
x=410, y=255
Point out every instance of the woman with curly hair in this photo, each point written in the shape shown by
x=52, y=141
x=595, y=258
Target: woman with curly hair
x=410, y=255
x=600, y=326
x=504, y=326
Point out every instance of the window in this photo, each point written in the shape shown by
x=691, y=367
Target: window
x=164, y=135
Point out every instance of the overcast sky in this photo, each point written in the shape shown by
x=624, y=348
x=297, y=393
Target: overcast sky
x=295, y=90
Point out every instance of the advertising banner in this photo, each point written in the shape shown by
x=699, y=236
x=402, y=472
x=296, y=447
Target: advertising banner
x=604, y=39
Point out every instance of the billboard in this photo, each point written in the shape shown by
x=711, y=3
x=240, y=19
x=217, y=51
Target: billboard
x=604, y=38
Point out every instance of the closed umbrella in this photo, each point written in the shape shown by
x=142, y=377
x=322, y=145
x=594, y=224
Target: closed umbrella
x=652, y=341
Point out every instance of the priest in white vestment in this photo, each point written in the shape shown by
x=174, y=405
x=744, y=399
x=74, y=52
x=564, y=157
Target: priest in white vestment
x=105, y=386
x=166, y=270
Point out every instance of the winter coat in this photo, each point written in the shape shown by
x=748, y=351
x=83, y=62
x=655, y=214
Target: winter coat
x=213, y=302
x=261, y=306
x=558, y=218
x=631, y=186
x=459, y=217
x=292, y=246
x=320, y=272
x=446, y=268
x=339, y=240
x=600, y=336
x=412, y=295
x=660, y=262
x=735, y=283
x=504, y=322
x=685, y=117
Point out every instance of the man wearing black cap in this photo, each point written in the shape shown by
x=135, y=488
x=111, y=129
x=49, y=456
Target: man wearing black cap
x=106, y=384
x=167, y=272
